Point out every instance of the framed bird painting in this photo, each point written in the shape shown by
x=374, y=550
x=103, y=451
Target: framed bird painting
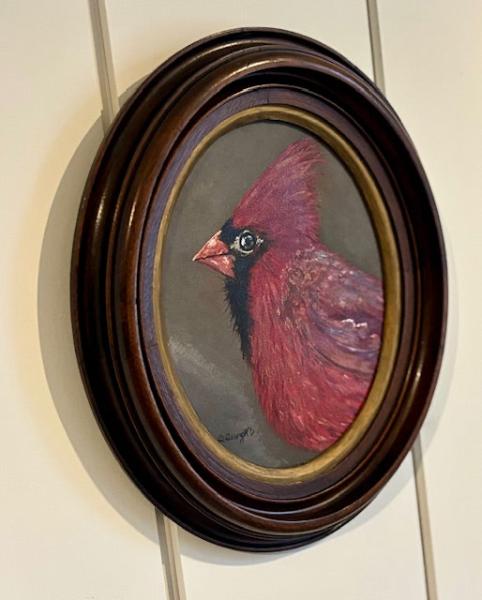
x=259, y=289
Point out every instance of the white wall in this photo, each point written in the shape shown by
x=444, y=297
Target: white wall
x=72, y=525
x=433, y=69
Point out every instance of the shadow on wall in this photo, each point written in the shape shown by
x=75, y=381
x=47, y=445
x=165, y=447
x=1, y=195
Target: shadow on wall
x=58, y=352
x=70, y=399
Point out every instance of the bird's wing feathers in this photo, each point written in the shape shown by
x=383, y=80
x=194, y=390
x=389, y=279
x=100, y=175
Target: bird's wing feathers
x=339, y=310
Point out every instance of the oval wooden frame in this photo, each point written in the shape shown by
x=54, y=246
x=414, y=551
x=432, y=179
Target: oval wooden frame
x=115, y=271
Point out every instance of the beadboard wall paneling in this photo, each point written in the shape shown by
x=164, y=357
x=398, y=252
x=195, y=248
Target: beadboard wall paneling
x=72, y=525
x=432, y=56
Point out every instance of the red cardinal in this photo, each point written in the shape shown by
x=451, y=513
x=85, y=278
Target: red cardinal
x=309, y=322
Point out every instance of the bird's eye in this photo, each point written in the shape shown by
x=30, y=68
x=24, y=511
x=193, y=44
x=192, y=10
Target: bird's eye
x=247, y=241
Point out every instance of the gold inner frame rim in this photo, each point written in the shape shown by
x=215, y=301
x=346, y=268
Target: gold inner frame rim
x=392, y=296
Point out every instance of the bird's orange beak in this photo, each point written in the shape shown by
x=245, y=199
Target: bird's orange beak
x=215, y=255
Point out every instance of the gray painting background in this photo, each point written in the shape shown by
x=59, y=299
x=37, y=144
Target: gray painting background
x=204, y=349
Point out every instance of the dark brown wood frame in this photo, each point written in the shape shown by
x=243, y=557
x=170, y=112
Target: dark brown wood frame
x=113, y=272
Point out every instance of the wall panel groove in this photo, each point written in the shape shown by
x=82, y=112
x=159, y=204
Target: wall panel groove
x=105, y=66
x=416, y=453
x=167, y=530
x=432, y=61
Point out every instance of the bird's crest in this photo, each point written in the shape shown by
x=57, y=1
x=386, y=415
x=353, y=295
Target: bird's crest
x=283, y=200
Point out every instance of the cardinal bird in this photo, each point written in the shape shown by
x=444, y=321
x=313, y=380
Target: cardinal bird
x=309, y=322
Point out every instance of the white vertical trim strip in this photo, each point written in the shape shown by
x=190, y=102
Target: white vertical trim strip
x=417, y=454
x=424, y=520
x=171, y=557
x=105, y=64
x=376, y=44
x=167, y=530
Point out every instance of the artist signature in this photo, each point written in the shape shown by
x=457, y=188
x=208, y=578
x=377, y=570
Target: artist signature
x=241, y=436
